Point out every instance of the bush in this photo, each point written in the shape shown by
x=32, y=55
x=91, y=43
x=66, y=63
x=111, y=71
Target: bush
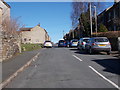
x=102, y=28
x=112, y=36
x=109, y=34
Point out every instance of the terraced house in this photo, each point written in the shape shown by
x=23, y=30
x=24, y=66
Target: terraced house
x=110, y=17
x=34, y=35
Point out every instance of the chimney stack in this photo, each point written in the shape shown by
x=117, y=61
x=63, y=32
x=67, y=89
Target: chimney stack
x=116, y=1
x=39, y=24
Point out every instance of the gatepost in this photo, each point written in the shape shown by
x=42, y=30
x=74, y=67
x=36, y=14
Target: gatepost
x=119, y=57
x=119, y=44
x=0, y=46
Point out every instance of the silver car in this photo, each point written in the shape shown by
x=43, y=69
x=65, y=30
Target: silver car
x=74, y=43
x=98, y=44
x=82, y=42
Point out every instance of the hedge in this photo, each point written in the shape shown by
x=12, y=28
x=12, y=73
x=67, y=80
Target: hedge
x=112, y=36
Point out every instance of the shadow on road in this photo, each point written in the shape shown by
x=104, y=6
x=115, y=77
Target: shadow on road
x=85, y=52
x=111, y=65
x=73, y=49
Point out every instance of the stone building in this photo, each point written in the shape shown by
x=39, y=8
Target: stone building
x=9, y=42
x=4, y=10
x=110, y=17
x=34, y=35
x=4, y=14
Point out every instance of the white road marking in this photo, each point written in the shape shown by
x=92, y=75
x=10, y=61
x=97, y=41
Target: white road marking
x=115, y=85
x=77, y=58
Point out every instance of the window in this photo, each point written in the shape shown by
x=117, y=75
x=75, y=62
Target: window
x=101, y=40
x=25, y=39
x=114, y=27
x=114, y=13
x=109, y=15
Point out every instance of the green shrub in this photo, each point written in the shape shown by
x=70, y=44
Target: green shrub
x=102, y=28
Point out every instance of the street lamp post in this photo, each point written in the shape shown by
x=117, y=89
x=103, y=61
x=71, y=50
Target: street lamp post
x=73, y=34
x=95, y=19
x=90, y=20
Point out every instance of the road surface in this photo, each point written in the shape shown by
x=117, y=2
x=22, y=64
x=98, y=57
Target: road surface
x=69, y=68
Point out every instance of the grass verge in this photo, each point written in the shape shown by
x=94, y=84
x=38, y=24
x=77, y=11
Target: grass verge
x=30, y=47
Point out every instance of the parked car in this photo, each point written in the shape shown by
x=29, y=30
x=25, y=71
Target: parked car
x=98, y=44
x=48, y=44
x=82, y=42
x=67, y=43
x=74, y=43
x=62, y=43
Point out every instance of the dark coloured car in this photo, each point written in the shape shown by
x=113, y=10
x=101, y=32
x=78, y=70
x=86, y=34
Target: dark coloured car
x=62, y=43
x=67, y=43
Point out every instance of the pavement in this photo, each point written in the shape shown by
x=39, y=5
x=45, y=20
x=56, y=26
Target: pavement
x=12, y=65
x=67, y=68
x=115, y=54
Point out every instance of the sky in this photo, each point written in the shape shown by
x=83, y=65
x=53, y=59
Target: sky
x=52, y=16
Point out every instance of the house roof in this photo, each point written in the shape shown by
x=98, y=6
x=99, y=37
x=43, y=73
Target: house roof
x=6, y=4
x=109, y=8
x=29, y=29
x=25, y=29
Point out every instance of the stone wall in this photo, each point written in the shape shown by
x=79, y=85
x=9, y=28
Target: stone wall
x=10, y=45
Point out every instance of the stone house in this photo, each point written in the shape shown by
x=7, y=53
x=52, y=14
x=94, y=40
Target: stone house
x=4, y=10
x=34, y=35
x=9, y=42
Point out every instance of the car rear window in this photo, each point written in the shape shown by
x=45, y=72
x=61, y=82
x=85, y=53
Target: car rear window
x=61, y=41
x=47, y=41
x=74, y=40
x=85, y=40
x=101, y=40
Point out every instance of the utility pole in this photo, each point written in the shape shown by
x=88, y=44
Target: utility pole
x=95, y=19
x=63, y=34
x=73, y=34
x=90, y=20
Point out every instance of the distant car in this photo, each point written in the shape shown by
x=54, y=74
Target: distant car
x=74, y=43
x=67, y=42
x=82, y=42
x=48, y=44
x=62, y=43
x=98, y=44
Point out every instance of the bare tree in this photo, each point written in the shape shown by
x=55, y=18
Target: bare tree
x=80, y=7
x=11, y=26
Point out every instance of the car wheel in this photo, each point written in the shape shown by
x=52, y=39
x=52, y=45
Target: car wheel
x=90, y=51
x=108, y=53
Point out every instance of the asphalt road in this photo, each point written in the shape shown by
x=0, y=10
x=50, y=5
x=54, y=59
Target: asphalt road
x=69, y=68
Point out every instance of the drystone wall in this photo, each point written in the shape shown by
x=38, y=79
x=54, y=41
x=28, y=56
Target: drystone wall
x=10, y=45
